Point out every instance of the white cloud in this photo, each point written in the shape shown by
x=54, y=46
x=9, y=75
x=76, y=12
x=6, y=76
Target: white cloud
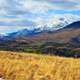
x=42, y=6
x=35, y=6
x=7, y=29
x=35, y=12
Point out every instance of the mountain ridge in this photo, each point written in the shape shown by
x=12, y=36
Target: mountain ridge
x=67, y=38
x=70, y=30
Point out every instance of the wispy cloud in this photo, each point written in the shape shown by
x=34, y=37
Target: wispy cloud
x=29, y=13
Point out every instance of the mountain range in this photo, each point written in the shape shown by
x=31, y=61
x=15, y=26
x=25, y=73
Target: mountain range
x=39, y=39
x=62, y=35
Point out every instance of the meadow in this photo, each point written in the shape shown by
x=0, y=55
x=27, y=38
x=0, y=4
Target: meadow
x=25, y=66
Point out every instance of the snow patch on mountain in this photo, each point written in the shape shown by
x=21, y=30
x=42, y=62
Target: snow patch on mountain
x=54, y=22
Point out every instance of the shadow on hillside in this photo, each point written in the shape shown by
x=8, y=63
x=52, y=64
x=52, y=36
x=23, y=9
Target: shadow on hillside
x=48, y=48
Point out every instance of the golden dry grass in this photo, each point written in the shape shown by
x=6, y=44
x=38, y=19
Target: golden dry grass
x=21, y=66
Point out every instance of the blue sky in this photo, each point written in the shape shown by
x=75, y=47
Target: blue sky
x=20, y=14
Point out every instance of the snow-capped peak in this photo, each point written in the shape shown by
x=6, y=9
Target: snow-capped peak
x=55, y=21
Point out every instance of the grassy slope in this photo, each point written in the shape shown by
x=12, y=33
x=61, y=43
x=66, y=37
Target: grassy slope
x=37, y=67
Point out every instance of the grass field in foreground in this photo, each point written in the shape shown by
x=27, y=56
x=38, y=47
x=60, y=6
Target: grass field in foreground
x=21, y=66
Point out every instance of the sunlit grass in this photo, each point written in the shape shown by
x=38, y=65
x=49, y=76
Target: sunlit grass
x=21, y=66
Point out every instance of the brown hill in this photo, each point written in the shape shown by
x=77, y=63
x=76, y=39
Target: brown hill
x=63, y=35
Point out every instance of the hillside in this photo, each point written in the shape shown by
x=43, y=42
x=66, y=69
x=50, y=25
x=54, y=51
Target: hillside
x=21, y=66
x=62, y=35
x=63, y=42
